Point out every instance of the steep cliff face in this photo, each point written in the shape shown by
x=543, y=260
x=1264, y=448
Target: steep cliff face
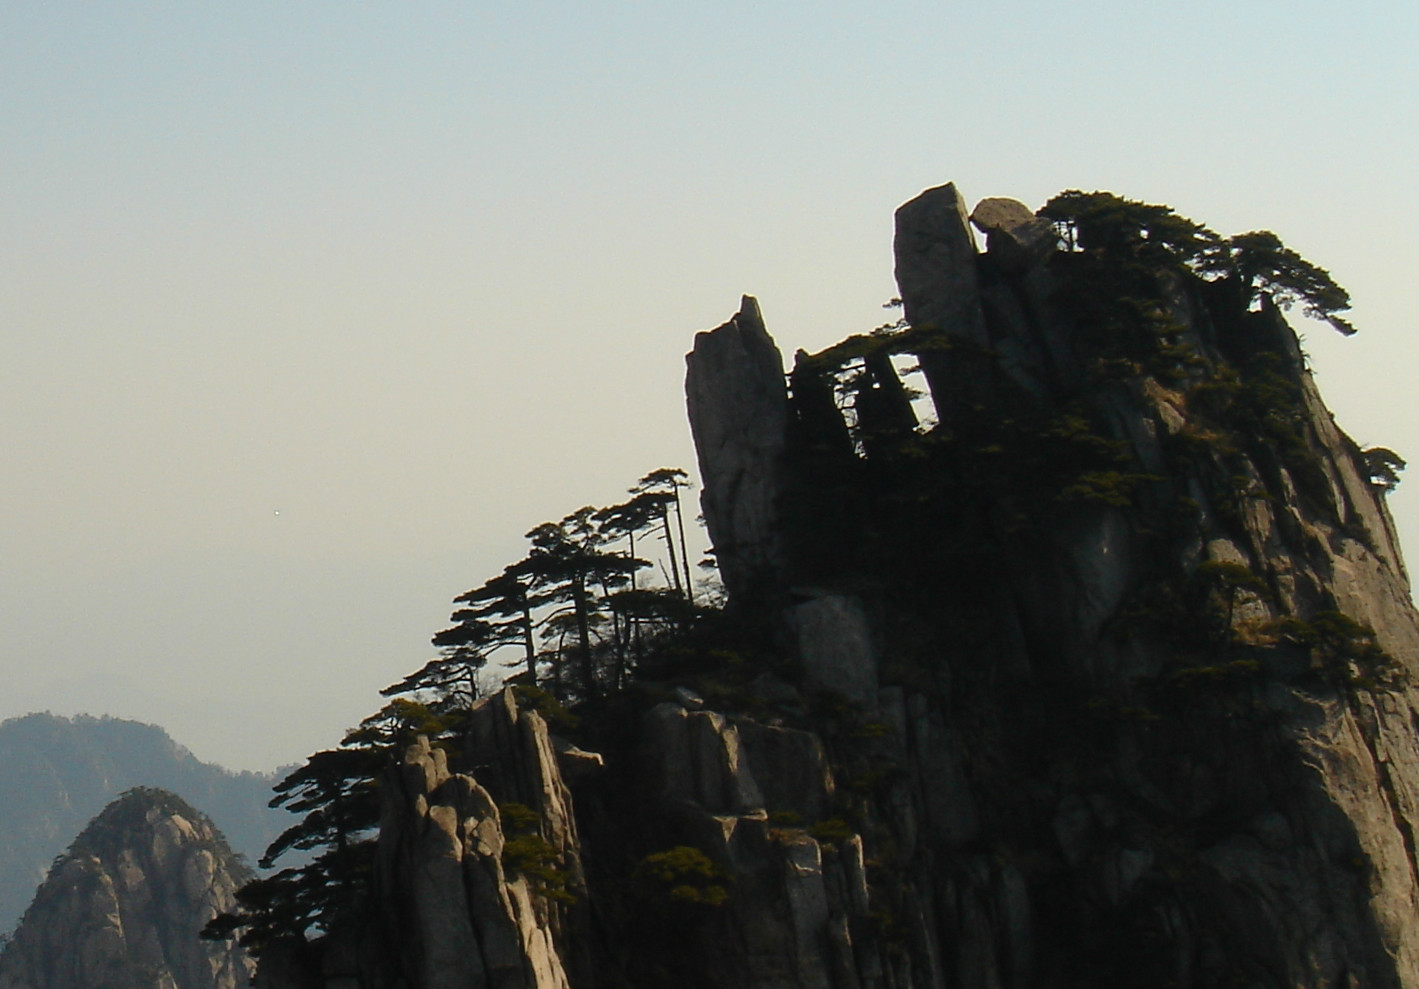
x=123, y=906
x=471, y=889
x=1141, y=626
x=1104, y=676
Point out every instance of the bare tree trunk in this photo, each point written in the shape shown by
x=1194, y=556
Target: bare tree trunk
x=684, y=553
x=670, y=546
x=583, y=629
x=527, y=642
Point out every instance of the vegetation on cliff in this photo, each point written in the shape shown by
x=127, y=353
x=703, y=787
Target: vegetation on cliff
x=579, y=613
x=1020, y=668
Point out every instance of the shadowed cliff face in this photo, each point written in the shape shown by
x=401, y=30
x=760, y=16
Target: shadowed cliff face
x=123, y=906
x=1102, y=677
x=1141, y=629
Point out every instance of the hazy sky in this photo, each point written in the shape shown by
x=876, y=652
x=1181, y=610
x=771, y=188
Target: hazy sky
x=419, y=276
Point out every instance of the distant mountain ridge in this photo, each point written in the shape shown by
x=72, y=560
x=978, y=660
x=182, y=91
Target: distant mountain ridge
x=57, y=773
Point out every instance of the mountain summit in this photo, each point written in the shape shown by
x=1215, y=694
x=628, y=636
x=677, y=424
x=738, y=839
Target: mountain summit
x=58, y=773
x=122, y=908
x=1068, y=644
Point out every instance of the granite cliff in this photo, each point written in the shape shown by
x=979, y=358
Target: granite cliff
x=121, y=909
x=1103, y=674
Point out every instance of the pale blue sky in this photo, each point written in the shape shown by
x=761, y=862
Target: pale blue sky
x=421, y=275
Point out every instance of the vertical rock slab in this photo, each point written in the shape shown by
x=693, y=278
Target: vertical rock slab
x=936, y=274
x=808, y=910
x=461, y=918
x=738, y=409
x=521, y=765
x=695, y=756
x=935, y=252
x=790, y=768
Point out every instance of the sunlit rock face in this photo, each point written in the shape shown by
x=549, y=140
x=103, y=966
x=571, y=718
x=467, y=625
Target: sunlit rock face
x=464, y=918
x=124, y=905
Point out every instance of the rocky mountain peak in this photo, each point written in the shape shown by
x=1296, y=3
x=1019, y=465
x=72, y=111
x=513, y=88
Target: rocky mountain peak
x=122, y=907
x=1086, y=659
x=57, y=773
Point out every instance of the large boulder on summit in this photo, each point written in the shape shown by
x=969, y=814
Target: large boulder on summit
x=1014, y=236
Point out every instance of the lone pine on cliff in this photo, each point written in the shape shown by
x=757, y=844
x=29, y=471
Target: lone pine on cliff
x=1101, y=675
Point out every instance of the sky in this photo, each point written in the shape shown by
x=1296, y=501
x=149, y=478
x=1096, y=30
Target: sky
x=309, y=310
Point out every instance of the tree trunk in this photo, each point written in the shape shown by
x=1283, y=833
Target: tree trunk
x=670, y=546
x=684, y=553
x=527, y=642
x=583, y=629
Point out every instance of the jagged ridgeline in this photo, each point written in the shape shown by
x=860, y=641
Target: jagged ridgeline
x=1067, y=643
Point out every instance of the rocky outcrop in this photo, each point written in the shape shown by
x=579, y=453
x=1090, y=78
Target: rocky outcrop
x=936, y=273
x=478, y=880
x=935, y=264
x=58, y=773
x=1016, y=238
x=1182, y=781
x=738, y=415
x=752, y=798
x=124, y=905
x=1105, y=678
x=469, y=913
